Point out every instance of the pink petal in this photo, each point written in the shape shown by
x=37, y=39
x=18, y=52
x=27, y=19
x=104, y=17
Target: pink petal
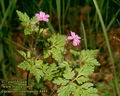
x=45, y=19
x=36, y=14
x=75, y=43
x=47, y=16
x=70, y=38
x=41, y=16
x=42, y=13
x=77, y=37
x=72, y=34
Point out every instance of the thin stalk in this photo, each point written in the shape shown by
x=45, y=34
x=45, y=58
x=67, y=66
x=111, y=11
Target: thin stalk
x=6, y=14
x=12, y=9
x=3, y=6
x=113, y=19
x=106, y=11
x=84, y=34
x=91, y=39
x=27, y=79
x=51, y=27
x=27, y=82
x=118, y=22
x=16, y=44
x=4, y=71
x=67, y=7
x=50, y=5
x=58, y=4
x=108, y=45
x=63, y=15
x=117, y=2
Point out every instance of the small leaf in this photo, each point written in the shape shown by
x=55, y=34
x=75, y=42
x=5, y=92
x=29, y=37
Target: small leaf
x=60, y=81
x=38, y=73
x=24, y=65
x=88, y=53
x=27, y=31
x=56, y=54
x=28, y=54
x=91, y=61
x=68, y=73
x=85, y=70
x=82, y=79
x=46, y=53
x=78, y=92
x=66, y=90
x=22, y=53
x=91, y=92
x=38, y=63
x=57, y=42
x=64, y=64
x=50, y=72
x=86, y=85
x=23, y=17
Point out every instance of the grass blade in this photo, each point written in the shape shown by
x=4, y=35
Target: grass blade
x=58, y=4
x=84, y=34
x=108, y=45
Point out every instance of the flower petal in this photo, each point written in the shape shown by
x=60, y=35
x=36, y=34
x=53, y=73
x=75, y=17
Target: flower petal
x=72, y=34
x=75, y=43
x=77, y=40
x=41, y=16
x=70, y=38
x=77, y=37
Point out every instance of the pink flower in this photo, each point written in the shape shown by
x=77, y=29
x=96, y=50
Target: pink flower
x=41, y=16
x=74, y=38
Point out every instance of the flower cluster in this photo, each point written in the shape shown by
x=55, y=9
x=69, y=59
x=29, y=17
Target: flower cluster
x=74, y=38
x=41, y=16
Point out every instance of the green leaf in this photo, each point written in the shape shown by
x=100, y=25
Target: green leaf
x=57, y=47
x=33, y=25
x=63, y=64
x=85, y=70
x=38, y=63
x=57, y=54
x=85, y=92
x=33, y=21
x=78, y=92
x=50, y=72
x=27, y=31
x=57, y=40
x=60, y=81
x=38, y=73
x=86, y=85
x=46, y=53
x=87, y=57
x=75, y=53
x=68, y=73
x=91, y=61
x=82, y=80
x=29, y=24
x=24, y=65
x=23, y=17
x=66, y=90
x=90, y=92
x=28, y=54
x=88, y=53
x=22, y=53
